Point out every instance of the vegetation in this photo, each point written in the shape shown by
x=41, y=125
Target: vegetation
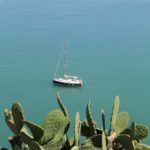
x=52, y=134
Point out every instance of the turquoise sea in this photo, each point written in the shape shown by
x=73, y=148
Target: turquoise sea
x=109, y=48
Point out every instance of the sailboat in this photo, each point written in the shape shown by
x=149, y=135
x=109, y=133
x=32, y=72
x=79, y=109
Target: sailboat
x=68, y=80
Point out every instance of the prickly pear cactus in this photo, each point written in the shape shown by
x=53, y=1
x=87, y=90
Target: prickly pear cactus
x=52, y=135
x=77, y=128
x=141, y=132
x=56, y=143
x=62, y=106
x=75, y=148
x=10, y=122
x=17, y=114
x=35, y=146
x=104, y=145
x=114, y=115
x=91, y=123
x=93, y=143
x=54, y=125
x=26, y=137
x=103, y=120
x=132, y=130
x=36, y=130
x=124, y=142
x=85, y=130
x=139, y=146
x=15, y=142
x=14, y=118
x=121, y=122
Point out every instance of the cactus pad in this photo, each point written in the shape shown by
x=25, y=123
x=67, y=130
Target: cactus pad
x=75, y=148
x=124, y=141
x=92, y=124
x=114, y=114
x=55, y=144
x=26, y=137
x=10, y=122
x=36, y=130
x=35, y=146
x=139, y=146
x=77, y=129
x=141, y=132
x=122, y=122
x=62, y=106
x=103, y=120
x=17, y=113
x=93, y=143
x=54, y=123
x=104, y=146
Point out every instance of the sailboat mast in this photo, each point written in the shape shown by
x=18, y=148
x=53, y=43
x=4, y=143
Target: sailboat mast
x=60, y=59
x=65, y=62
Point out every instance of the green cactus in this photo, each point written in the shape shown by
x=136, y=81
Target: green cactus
x=56, y=143
x=139, y=146
x=14, y=118
x=141, y=132
x=124, y=141
x=93, y=143
x=61, y=105
x=36, y=130
x=75, y=148
x=17, y=114
x=91, y=123
x=121, y=122
x=52, y=135
x=55, y=124
x=85, y=129
x=35, y=146
x=137, y=131
x=77, y=128
x=142, y=147
x=103, y=120
x=104, y=146
x=132, y=130
x=26, y=137
x=114, y=115
x=16, y=142
x=10, y=122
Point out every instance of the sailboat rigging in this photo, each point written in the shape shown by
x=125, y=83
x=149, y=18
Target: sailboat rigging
x=66, y=79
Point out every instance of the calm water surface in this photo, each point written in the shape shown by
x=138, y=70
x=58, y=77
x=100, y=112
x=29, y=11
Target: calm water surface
x=109, y=48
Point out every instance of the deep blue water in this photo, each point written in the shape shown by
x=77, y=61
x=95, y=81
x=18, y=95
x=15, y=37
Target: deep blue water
x=109, y=48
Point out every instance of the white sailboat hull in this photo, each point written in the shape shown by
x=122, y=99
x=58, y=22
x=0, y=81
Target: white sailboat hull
x=68, y=82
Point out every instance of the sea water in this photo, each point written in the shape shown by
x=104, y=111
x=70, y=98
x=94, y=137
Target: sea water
x=108, y=47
